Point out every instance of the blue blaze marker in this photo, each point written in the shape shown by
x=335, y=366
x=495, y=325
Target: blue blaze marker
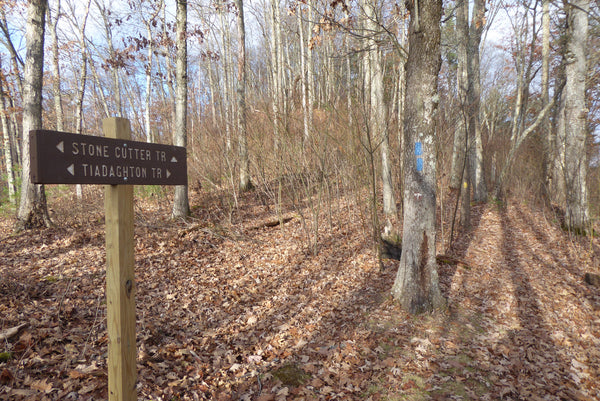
x=419, y=164
x=418, y=149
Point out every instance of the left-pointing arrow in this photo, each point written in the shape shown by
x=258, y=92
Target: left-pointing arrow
x=71, y=169
x=61, y=146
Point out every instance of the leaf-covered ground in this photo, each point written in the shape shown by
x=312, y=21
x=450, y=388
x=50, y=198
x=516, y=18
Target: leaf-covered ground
x=231, y=308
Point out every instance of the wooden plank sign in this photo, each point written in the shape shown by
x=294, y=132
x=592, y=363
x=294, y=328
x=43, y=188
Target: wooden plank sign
x=65, y=158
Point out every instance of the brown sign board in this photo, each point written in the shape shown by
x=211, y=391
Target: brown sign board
x=65, y=158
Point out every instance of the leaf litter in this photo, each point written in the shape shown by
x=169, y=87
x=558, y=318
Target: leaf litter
x=236, y=309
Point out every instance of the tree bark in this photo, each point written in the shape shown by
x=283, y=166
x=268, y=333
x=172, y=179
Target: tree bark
x=417, y=284
x=7, y=143
x=474, y=97
x=33, y=211
x=574, y=113
x=378, y=111
x=245, y=183
x=56, y=92
x=462, y=140
x=181, y=205
x=460, y=148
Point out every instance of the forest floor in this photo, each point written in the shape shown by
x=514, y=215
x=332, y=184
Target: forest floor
x=232, y=308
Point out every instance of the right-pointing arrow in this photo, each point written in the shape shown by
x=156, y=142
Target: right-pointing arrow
x=71, y=169
x=168, y=173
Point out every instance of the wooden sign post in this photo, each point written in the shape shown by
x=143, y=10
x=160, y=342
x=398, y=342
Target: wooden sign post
x=120, y=279
x=119, y=163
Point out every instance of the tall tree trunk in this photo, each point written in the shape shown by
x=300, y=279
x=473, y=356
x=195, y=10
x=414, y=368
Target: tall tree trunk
x=547, y=132
x=303, y=83
x=275, y=67
x=310, y=68
x=462, y=140
x=148, y=98
x=245, y=183
x=33, y=211
x=417, y=283
x=228, y=78
x=460, y=148
x=7, y=143
x=474, y=98
x=181, y=205
x=56, y=92
x=150, y=54
x=574, y=112
x=378, y=111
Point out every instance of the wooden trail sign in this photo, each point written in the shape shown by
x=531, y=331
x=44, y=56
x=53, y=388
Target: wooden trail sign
x=63, y=158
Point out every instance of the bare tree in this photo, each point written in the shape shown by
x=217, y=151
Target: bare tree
x=417, y=283
x=113, y=58
x=181, y=205
x=33, y=211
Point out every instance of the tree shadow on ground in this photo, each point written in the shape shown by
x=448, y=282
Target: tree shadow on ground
x=535, y=364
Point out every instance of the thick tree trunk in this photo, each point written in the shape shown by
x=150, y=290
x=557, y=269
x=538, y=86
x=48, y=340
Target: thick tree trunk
x=33, y=211
x=417, y=283
x=574, y=113
x=245, y=183
x=181, y=205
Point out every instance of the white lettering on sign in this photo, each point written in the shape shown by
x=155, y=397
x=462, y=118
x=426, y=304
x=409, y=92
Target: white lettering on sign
x=161, y=156
x=104, y=170
x=125, y=153
x=88, y=149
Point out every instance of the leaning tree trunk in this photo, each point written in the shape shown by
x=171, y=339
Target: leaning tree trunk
x=417, y=283
x=33, y=211
x=574, y=113
x=181, y=205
